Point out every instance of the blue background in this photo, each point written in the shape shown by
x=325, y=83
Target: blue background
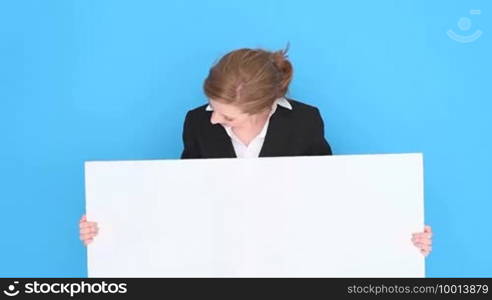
x=112, y=80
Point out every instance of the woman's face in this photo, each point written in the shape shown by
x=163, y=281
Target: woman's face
x=228, y=115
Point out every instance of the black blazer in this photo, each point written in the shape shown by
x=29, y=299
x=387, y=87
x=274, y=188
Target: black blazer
x=295, y=132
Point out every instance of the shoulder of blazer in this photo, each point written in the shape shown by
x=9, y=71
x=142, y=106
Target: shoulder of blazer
x=306, y=119
x=303, y=109
x=195, y=117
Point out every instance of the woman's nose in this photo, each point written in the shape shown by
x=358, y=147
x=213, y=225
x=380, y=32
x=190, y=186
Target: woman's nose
x=214, y=119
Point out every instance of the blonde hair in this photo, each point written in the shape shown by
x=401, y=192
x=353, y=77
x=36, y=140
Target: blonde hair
x=252, y=79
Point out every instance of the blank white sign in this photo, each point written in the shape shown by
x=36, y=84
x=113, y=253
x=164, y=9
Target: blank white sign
x=310, y=216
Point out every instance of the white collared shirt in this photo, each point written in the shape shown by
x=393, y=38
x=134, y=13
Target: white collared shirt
x=253, y=149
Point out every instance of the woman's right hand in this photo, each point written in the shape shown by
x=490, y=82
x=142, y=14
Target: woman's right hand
x=88, y=230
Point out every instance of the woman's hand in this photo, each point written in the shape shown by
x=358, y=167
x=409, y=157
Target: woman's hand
x=88, y=230
x=423, y=240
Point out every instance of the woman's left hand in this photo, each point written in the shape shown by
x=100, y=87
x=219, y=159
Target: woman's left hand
x=423, y=240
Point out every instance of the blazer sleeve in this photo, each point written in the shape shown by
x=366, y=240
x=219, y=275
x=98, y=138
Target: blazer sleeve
x=319, y=145
x=191, y=149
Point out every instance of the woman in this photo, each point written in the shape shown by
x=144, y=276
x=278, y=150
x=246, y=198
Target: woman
x=249, y=116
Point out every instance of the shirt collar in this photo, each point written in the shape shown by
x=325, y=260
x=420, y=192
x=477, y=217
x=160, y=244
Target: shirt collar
x=280, y=101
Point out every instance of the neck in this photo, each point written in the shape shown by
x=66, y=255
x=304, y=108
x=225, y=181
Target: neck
x=257, y=120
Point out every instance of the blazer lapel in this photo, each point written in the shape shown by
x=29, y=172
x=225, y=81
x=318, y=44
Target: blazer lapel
x=277, y=135
x=221, y=143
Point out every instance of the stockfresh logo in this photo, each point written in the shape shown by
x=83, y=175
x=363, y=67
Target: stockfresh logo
x=464, y=35
x=11, y=290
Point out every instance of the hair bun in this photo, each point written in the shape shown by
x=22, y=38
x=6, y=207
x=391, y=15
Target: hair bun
x=280, y=60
